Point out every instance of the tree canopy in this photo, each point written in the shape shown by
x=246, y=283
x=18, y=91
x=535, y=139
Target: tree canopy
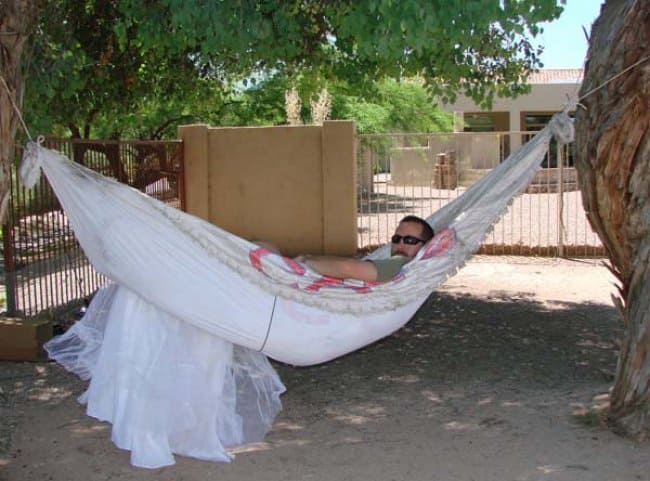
x=81, y=74
x=481, y=47
x=136, y=68
x=88, y=59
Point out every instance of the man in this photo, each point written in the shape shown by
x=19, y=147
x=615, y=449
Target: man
x=411, y=234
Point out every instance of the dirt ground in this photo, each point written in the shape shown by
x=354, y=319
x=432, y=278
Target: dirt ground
x=485, y=383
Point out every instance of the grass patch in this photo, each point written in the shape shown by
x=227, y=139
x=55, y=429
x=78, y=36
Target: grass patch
x=594, y=416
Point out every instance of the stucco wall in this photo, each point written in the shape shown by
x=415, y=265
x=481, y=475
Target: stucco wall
x=542, y=98
x=508, y=113
x=293, y=186
x=416, y=165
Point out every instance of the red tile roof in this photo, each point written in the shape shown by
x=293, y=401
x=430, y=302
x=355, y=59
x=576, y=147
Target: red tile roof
x=556, y=76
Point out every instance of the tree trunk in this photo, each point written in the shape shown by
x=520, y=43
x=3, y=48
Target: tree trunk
x=614, y=174
x=17, y=18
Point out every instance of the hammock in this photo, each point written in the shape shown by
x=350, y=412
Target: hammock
x=192, y=302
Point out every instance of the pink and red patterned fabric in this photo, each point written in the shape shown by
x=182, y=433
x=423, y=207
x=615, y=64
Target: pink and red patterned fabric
x=310, y=281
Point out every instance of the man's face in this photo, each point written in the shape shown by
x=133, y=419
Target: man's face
x=404, y=229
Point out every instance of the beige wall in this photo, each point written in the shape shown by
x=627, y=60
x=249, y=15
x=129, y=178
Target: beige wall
x=550, y=97
x=411, y=166
x=416, y=165
x=293, y=186
x=542, y=98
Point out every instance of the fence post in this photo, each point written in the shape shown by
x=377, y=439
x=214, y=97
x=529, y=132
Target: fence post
x=560, y=190
x=10, y=268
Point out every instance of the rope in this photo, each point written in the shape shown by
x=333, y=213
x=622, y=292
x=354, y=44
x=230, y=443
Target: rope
x=20, y=117
x=606, y=82
x=577, y=103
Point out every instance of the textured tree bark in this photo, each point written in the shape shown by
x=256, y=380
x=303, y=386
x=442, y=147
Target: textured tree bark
x=17, y=18
x=614, y=175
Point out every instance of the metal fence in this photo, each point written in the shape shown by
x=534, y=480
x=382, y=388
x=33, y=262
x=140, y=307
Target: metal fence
x=44, y=266
x=402, y=174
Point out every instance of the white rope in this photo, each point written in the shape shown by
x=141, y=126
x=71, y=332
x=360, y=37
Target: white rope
x=11, y=99
x=607, y=82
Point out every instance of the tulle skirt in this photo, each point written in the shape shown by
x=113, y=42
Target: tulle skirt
x=166, y=387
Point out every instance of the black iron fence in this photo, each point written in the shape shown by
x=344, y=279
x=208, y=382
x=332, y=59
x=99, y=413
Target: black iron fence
x=44, y=266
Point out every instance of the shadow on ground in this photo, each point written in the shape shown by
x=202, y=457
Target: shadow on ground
x=460, y=339
x=462, y=365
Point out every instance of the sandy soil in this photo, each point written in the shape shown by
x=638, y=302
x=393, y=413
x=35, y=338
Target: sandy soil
x=483, y=384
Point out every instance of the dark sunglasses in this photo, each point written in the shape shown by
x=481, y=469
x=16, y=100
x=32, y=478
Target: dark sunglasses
x=407, y=239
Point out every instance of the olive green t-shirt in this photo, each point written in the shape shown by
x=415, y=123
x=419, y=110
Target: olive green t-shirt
x=388, y=268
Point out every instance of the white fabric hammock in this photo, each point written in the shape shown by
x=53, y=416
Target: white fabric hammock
x=181, y=282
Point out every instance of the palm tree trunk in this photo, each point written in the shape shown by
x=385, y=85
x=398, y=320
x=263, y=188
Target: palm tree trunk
x=614, y=175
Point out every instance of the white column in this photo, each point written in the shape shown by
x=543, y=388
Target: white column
x=459, y=121
x=515, y=126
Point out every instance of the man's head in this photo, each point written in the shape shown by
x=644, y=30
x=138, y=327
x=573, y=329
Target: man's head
x=411, y=234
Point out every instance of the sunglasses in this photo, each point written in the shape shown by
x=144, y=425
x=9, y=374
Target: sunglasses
x=407, y=239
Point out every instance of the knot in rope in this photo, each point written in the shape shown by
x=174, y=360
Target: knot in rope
x=562, y=128
x=30, y=167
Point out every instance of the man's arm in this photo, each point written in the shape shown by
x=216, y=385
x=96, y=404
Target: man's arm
x=342, y=267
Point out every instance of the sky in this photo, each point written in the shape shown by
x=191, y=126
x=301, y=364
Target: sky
x=565, y=45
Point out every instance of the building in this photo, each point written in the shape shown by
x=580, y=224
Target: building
x=551, y=90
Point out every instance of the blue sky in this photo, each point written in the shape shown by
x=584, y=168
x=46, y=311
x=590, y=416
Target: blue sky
x=564, y=42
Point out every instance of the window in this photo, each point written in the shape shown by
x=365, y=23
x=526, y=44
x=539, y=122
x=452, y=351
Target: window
x=479, y=122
